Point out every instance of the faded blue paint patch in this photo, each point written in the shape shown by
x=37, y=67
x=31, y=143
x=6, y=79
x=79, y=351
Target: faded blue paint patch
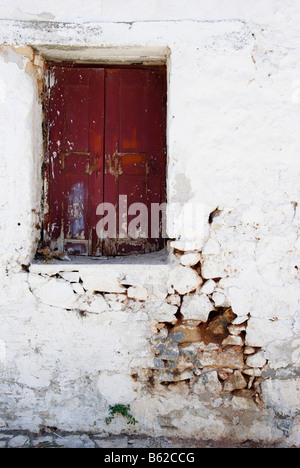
x=76, y=212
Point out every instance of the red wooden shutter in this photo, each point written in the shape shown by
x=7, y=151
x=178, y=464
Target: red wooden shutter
x=135, y=117
x=75, y=152
x=130, y=126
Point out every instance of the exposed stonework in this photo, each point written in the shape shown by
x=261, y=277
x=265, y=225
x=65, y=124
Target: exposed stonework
x=205, y=342
x=197, y=335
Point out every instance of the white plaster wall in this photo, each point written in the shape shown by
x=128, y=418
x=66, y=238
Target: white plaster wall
x=233, y=113
x=20, y=150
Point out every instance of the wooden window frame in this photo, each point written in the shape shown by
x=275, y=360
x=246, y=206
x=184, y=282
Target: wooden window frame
x=46, y=165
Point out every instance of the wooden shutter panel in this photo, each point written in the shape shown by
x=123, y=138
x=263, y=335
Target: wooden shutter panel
x=135, y=116
x=75, y=152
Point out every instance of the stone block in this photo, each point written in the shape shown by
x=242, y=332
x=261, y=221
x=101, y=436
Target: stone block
x=137, y=292
x=239, y=320
x=190, y=334
x=236, y=329
x=220, y=300
x=169, y=376
x=174, y=299
x=106, y=281
x=56, y=292
x=93, y=303
x=162, y=312
x=253, y=372
x=78, y=289
x=256, y=360
x=167, y=351
x=196, y=307
x=213, y=267
x=71, y=276
x=158, y=291
x=75, y=441
x=190, y=258
x=208, y=287
x=208, y=382
x=158, y=363
x=231, y=357
x=235, y=381
x=217, y=326
x=184, y=280
x=233, y=341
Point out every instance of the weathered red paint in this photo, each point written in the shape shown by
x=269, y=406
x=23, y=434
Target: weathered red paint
x=76, y=122
x=106, y=138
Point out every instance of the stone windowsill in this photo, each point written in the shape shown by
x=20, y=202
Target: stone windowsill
x=161, y=258
x=114, y=275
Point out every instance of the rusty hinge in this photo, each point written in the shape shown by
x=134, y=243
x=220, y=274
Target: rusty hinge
x=62, y=161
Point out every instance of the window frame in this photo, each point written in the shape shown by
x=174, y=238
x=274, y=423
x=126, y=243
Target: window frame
x=46, y=160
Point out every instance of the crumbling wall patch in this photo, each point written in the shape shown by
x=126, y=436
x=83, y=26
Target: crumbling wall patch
x=196, y=338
